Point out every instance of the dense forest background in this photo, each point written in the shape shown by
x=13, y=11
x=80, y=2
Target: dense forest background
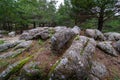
x=25, y=14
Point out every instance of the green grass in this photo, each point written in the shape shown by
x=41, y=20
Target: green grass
x=116, y=78
x=1, y=41
x=40, y=41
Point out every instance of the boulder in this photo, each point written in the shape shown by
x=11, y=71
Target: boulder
x=61, y=40
x=116, y=45
x=13, y=68
x=43, y=35
x=76, y=61
x=107, y=47
x=1, y=36
x=25, y=36
x=36, y=33
x=76, y=30
x=94, y=33
x=12, y=54
x=112, y=36
x=12, y=34
x=24, y=44
x=31, y=71
x=98, y=71
x=6, y=46
x=60, y=28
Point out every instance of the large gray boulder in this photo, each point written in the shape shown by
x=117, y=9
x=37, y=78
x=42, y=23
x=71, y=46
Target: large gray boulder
x=60, y=28
x=76, y=62
x=25, y=36
x=43, y=35
x=61, y=40
x=31, y=71
x=36, y=33
x=12, y=54
x=12, y=34
x=24, y=44
x=116, y=45
x=6, y=46
x=98, y=71
x=76, y=30
x=112, y=36
x=107, y=47
x=1, y=36
x=94, y=33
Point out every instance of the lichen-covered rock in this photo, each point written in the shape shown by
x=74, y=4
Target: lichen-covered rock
x=24, y=44
x=116, y=45
x=12, y=34
x=31, y=71
x=12, y=69
x=60, y=40
x=6, y=46
x=60, y=28
x=76, y=61
x=76, y=30
x=94, y=33
x=25, y=36
x=11, y=54
x=107, y=47
x=43, y=35
x=98, y=71
x=40, y=32
x=1, y=36
x=112, y=36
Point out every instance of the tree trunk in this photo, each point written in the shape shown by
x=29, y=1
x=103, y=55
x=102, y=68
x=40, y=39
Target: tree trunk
x=101, y=20
x=34, y=24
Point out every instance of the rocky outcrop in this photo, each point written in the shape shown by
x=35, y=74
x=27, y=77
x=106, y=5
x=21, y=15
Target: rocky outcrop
x=112, y=36
x=43, y=35
x=1, y=36
x=76, y=30
x=116, y=45
x=31, y=71
x=12, y=34
x=94, y=33
x=76, y=62
x=12, y=69
x=98, y=71
x=6, y=46
x=59, y=28
x=60, y=40
x=36, y=33
x=12, y=54
x=24, y=44
x=107, y=48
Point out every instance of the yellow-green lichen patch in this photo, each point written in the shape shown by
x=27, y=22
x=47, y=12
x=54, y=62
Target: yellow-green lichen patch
x=82, y=51
x=53, y=68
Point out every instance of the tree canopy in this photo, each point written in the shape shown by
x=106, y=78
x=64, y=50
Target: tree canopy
x=22, y=14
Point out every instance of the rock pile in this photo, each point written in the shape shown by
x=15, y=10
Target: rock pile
x=75, y=53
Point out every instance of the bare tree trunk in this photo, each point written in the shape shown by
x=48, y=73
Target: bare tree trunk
x=34, y=24
x=101, y=20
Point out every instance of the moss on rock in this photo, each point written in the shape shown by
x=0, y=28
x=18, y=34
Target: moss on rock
x=12, y=69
